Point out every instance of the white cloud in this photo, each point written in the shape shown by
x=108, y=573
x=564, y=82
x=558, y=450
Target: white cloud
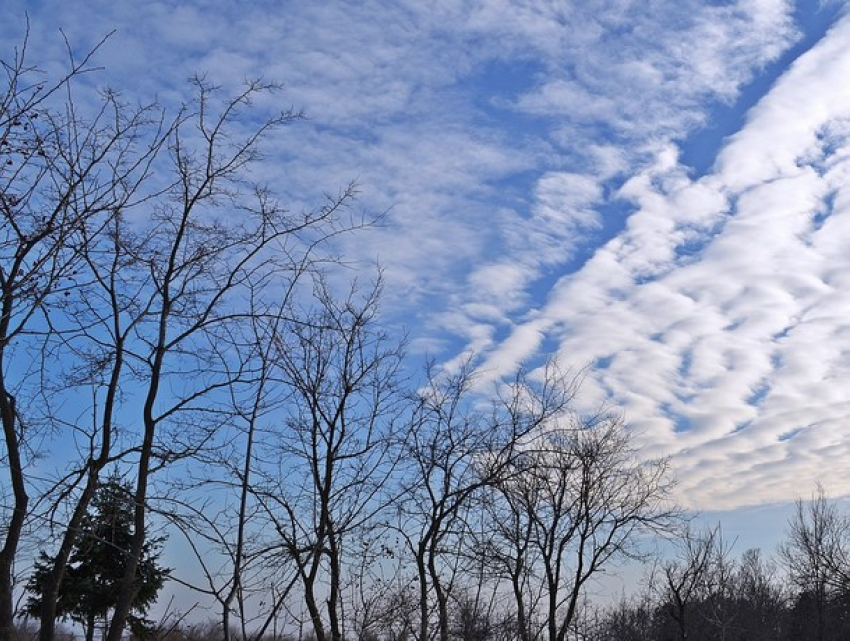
x=746, y=339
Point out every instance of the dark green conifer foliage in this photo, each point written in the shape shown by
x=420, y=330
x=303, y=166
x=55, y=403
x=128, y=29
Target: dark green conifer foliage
x=96, y=566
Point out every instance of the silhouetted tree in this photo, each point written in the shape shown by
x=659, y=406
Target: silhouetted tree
x=333, y=452
x=761, y=601
x=816, y=552
x=628, y=620
x=470, y=619
x=454, y=449
x=130, y=280
x=62, y=178
x=581, y=497
x=683, y=581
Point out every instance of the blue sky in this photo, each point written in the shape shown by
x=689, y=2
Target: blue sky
x=659, y=187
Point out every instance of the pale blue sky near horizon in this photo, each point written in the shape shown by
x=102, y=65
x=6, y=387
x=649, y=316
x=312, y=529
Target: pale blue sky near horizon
x=659, y=188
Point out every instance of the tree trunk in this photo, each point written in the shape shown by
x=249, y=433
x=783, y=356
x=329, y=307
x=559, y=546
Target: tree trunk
x=313, y=610
x=423, y=594
x=16, y=523
x=336, y=583
x=523, y=632
x=127, y=593
x=439, y=592
x=90, y=628
x=53, y=583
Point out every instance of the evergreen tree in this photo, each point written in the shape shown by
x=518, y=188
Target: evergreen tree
x=96, y=566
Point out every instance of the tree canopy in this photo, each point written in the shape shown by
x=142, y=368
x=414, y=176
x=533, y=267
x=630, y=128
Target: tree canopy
x=97, y=563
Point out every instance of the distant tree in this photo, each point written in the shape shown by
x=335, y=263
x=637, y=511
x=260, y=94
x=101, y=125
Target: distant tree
x=385, y=607
x=684, y=580
x=719, y=613
x=816, y=553
x=97, y=564
x=702, y=594
x=628, y=620
x=761, y=599
x=470, y=619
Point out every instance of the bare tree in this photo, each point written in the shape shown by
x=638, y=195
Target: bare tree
x=629, y=620
x=684, y=580
x=248, y=562
x=384, y=604
x=238, y=563
x=581, y=497
x=816, y=552
x=333, y=456
x=146, y=278
x=215, y=508
x=507, y=546
x=761, y=597
x=195, y=271
x=119, y=264
x=62, y=178
x=720, y=610
x=458, y=444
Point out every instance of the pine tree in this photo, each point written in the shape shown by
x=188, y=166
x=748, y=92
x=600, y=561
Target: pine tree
x=96, y=565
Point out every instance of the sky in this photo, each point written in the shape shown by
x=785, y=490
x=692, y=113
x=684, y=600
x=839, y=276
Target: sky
x=655, y=190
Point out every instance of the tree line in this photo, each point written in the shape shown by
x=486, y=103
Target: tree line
x=702, y=591
x=175, y=343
